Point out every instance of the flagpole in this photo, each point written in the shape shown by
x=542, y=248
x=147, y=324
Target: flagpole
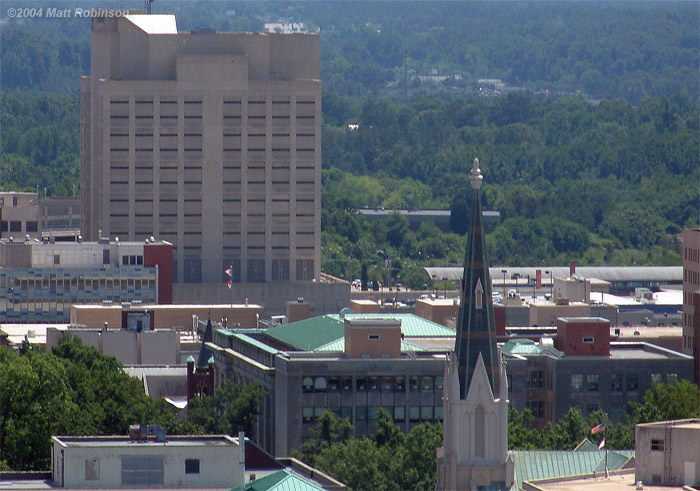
x=605, y=433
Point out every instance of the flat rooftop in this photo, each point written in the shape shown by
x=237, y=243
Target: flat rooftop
x=615, y=482
x=179, y=306
x=693, y=424
x=125, y=441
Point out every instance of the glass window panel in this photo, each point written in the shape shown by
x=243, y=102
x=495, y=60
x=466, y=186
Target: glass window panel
x=592, y=383
x=191, y=466
x=361, y=383
x=632, y=381
x=373, y=383
x=308, y=384
x=414, y=413
x=320, y=384
x=387, y=384
x=616, y=382
x=361, y=413
x=400, y=384
x=399, y=413
x=414, y=384
x=438, y=383
x=426, y=384
x=426, y=413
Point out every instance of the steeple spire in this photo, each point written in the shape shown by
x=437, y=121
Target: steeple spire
x=204, y=352
x=476, y=327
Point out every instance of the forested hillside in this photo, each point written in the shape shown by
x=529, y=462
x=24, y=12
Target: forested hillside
x=606, y=183
x=605, y=49
x=602, y=184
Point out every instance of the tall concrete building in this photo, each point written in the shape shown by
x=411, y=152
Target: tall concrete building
x=211, y=141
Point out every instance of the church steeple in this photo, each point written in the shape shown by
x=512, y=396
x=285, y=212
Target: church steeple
x=476, y=327
x=475, y=393
x=204, y=352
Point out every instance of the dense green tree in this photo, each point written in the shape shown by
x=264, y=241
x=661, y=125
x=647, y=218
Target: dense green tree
x=231, y=409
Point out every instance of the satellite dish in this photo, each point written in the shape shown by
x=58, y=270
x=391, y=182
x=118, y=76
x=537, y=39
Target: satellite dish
x=345, y=311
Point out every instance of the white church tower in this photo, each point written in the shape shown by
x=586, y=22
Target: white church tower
x=474, y=455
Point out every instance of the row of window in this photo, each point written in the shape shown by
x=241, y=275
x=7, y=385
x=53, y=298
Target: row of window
x=618, y=381
x=16, y=226
x=371, y=384
x=279, y=270
x=309, y=415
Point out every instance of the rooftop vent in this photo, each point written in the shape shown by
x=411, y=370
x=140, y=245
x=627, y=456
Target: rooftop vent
x=141, y=432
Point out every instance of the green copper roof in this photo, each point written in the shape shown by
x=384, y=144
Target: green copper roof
x=309, y=334
x=319, y=332
x=532, y=465
x=412, y=326
x=281, y=481
x=190, y=359
x=339, y=345
x=251, y=340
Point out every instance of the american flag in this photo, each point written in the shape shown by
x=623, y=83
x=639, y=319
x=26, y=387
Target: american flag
x=598, y=429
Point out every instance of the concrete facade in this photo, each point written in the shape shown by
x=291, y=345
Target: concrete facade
x=60, y=214
x=211, y=141
x=443, y=310
x=116, y=462
x=20, y=215
x=668, y=453
x=156, y=347
x=324, y=296
x=179, y=317
x=691, y=296
x=550, y=382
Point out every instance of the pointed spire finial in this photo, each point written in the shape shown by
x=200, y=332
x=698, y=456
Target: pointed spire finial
x=475, y=177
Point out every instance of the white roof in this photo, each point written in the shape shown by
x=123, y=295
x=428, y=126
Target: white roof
x=154, y=24
x=610, y=299
x=34, y=333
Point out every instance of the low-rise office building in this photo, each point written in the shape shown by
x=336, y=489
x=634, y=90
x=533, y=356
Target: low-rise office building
x=306, y=369
x=351, y=366
x=582, y=368
x=40, y=280
x=180, y=317
x=20, y=215
x=128, y=461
